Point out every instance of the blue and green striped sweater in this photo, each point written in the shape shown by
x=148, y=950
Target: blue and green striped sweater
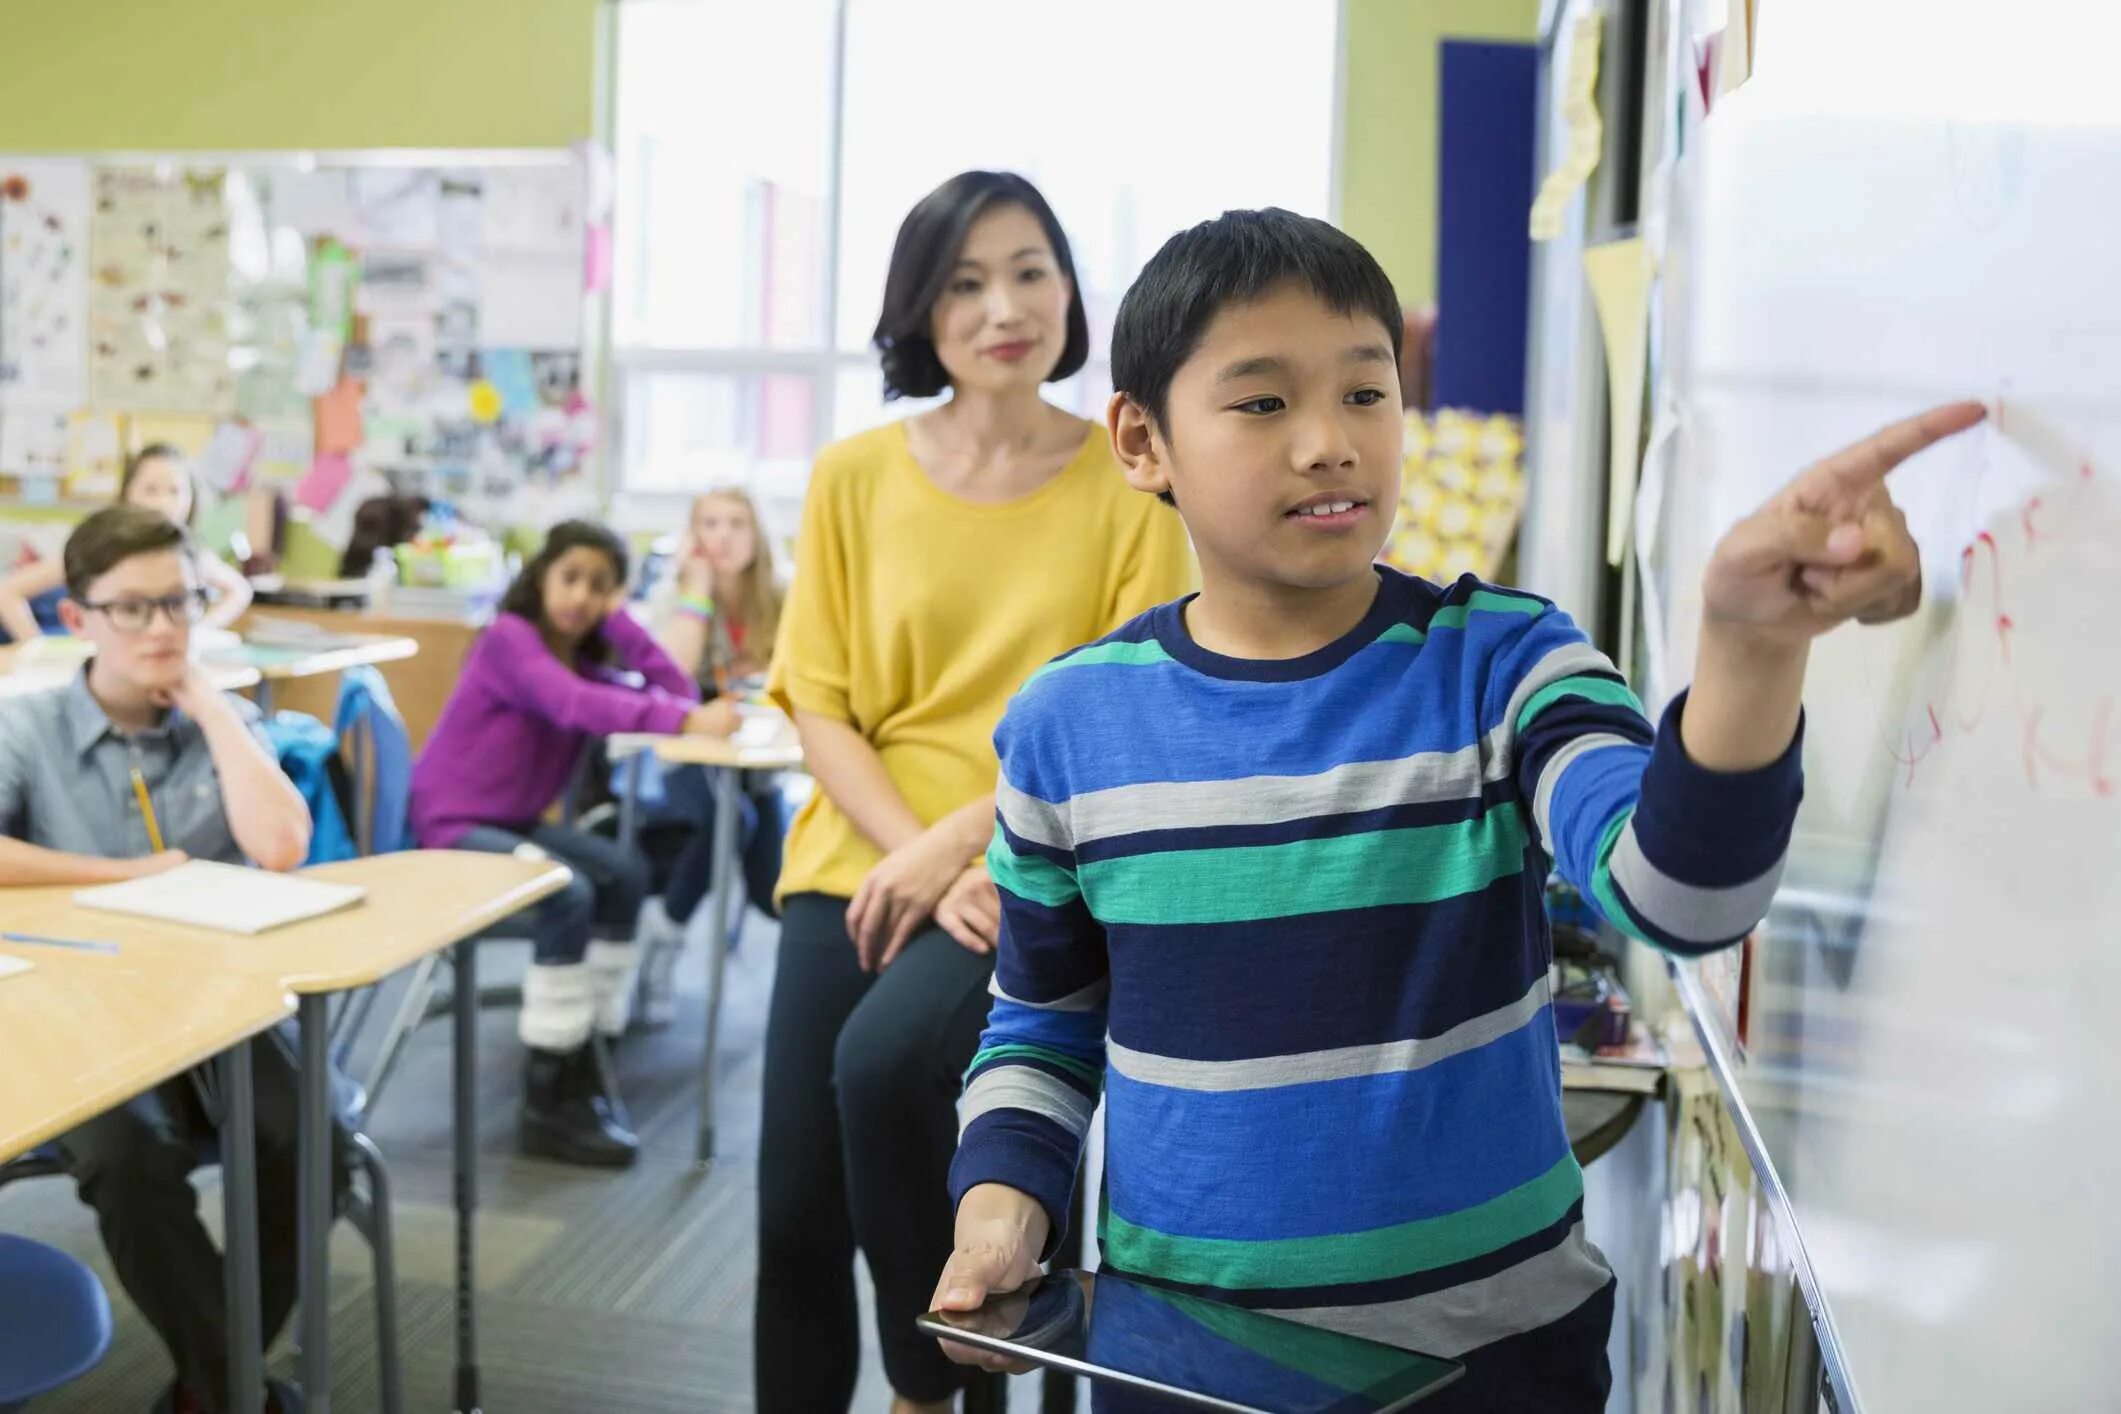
x=1287, y=916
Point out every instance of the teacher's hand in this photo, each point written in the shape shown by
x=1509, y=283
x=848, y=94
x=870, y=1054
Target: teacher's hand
x=901, y=893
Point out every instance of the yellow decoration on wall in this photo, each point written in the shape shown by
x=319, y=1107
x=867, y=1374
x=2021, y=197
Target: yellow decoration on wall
x=1461, y=495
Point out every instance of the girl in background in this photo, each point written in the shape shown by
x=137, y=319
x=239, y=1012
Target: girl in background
x=540, y=682
x=157, y=478
x=715, y=611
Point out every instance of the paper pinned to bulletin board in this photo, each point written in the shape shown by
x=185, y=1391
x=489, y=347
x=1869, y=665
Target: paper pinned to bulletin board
x=225, y=464
x=158, y=303
x=1579, y=111
x=95, y=456
x=33, y=446
x=1619, y=272
x=533, y=244
x=44, y=283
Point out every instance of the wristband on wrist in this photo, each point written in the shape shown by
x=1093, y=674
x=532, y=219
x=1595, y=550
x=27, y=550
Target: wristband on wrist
x=699, y=606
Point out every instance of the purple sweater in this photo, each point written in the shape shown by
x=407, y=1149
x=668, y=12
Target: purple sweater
x=517, y=722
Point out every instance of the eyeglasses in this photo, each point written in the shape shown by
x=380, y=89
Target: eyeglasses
x=134, y=615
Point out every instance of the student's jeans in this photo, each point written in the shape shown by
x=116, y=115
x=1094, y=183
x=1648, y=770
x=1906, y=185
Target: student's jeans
x=688, y=799
x=862, y=1074
x=132, y=1166
x=582, y=953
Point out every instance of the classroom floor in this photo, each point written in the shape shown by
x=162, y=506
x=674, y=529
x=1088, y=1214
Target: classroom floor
x=624, y=1293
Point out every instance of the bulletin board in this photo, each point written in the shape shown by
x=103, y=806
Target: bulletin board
x=333, y=325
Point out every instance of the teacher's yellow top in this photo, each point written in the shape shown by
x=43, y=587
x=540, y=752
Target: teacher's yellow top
x=915, y=615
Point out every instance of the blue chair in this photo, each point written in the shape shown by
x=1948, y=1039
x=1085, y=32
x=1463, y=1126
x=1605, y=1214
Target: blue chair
x=54, y=1320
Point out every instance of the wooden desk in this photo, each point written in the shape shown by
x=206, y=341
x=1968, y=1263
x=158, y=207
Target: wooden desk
x=784, y=752
x=420, y=685
x=19, y=679
x=725, y=762
x=293, y=661
x=418, y=903
x=88, y=1031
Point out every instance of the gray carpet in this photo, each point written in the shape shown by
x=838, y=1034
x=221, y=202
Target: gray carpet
x=628, y=1293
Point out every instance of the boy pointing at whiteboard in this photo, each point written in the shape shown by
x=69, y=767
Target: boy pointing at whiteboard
x=1269, y=859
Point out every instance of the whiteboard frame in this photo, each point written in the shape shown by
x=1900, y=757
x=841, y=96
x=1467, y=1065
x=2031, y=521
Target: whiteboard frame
x=1716, y=1047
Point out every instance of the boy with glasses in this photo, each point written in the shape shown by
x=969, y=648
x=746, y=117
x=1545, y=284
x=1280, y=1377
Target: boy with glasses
x=141, y=720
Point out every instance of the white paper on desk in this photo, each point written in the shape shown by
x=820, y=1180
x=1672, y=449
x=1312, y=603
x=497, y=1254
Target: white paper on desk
x=11, y=966
x=758, y=729
x=224, y=897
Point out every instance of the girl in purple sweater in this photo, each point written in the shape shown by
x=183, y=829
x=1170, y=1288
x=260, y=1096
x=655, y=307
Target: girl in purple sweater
x=561, y=663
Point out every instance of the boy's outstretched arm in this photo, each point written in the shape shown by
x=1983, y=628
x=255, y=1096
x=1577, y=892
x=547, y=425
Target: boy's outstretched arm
x=1678, y=835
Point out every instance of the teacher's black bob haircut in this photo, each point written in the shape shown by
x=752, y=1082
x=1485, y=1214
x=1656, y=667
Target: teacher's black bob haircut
x=922, y=258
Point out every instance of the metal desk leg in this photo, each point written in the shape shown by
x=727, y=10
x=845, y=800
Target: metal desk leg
x=465, y=1019
x=313, y=1202
x=263, y=702
x=239, y=1253
x=630, y=801
x=728, y=850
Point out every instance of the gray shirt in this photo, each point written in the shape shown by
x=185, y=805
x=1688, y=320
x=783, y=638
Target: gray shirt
x=66, y=779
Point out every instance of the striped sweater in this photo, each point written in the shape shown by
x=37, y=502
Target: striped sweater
x=1288, y=917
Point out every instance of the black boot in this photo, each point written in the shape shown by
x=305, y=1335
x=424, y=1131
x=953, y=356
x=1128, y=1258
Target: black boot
x=595, y=1077
x=565, y=1120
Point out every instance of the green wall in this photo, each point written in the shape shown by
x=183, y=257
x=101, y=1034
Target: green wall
x=85, y=75
x=1389, y=122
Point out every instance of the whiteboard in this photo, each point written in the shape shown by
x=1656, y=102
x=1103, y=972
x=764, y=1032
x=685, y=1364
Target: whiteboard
x=1909, y=204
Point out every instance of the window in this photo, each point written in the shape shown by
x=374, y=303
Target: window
x=757, y=200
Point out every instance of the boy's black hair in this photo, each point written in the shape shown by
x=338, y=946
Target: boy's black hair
x=525, y=596
x=112, y=536
x=922, y=258
x=1238, y=256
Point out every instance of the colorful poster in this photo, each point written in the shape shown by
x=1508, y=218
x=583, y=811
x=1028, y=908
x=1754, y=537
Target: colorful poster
x=44, y=283
x=327, y=477
x=159, y=292
x=339, y=418
x=510, y=372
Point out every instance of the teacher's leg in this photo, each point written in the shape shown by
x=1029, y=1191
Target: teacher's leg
x=900, y=1067
x=806, y=1330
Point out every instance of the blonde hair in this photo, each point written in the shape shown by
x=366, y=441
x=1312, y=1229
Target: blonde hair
x=758, y=602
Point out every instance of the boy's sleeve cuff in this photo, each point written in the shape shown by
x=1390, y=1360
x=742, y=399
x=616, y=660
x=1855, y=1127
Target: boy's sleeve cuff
x=1026, y=1152
x=1715, y=829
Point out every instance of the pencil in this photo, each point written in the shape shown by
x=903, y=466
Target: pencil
x=147, y=811
x=39, y=940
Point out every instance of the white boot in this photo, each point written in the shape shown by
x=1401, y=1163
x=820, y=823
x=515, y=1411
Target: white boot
x=662, y=943
x=616, y=967
x=559, y=1007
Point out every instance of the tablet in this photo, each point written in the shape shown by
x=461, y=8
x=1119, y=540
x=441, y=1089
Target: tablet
x=1193, y=1353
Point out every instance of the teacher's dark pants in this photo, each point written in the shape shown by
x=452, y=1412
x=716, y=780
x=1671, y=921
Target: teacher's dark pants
x=860, y=1122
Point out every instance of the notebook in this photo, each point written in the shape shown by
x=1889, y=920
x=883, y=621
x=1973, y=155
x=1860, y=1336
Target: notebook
x=225, y=897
